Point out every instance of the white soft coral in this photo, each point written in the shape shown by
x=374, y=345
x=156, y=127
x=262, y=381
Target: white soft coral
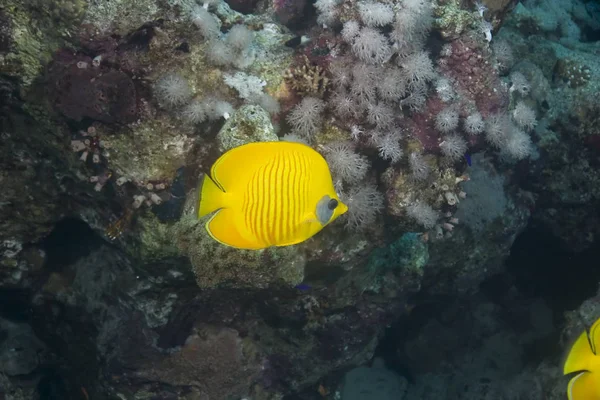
x=305, y=118
x=375, y=14
x=345, y=163
x=371, y=46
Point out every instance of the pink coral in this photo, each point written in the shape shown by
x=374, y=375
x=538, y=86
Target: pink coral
x=470, y=66
x=79, y=90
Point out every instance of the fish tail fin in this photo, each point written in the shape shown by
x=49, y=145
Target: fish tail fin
x=211, y=197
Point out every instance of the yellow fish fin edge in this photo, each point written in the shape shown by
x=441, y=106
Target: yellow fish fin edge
x=581, y=352
x=209, y=230
x=595, y=336
x=221, y=228
x=210, y=198
x=583, y=386
x=578, y=356
x=292, y=242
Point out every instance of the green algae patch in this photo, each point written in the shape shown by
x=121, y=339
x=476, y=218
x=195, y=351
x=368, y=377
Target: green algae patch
x=248, y=124
x=152, y=150
x=37, y=29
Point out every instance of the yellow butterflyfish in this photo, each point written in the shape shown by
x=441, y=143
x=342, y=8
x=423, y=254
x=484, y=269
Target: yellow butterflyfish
x=584, y=359
x=268, y=194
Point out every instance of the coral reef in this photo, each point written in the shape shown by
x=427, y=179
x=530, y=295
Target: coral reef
x=448, y=127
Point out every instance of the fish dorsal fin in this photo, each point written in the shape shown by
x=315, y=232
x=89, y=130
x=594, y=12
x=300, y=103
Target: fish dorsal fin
x=238, y=164
x=583, y=350
x=594, y=336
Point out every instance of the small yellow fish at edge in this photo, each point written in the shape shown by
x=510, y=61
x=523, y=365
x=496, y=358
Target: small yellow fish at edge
x=583, y=358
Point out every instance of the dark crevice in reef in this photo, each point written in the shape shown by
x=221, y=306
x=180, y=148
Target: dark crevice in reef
x=72, y=375
x=52, y=386
x=59, y=374
x=15, y=304
x=70, y=240
x=405, y=329
x=542, y=267
x=591, y=35
x=304, y=17
x=538, y=271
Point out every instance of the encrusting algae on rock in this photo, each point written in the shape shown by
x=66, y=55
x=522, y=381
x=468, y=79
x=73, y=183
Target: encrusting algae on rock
x=215, y=264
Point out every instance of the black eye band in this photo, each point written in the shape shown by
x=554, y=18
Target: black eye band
x=333, y=203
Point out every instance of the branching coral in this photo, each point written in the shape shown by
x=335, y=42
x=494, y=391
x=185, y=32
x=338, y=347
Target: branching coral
x=307, y=79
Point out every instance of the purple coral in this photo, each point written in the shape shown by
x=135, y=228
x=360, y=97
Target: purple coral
x=79, y=90
x=289, y=10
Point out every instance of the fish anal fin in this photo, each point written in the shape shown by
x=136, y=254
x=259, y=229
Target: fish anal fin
x=221, y=227
x=291, y=242
x=584, y=386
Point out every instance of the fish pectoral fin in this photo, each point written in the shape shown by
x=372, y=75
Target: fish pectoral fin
x=221, y=227
x=579, y=355
x=584, y=386
x=309, y=218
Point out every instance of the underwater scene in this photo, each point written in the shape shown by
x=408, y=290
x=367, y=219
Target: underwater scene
x=299, y=199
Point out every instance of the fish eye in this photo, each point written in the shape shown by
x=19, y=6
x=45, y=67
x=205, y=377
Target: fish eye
x=333, y=203
x=325, y=209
